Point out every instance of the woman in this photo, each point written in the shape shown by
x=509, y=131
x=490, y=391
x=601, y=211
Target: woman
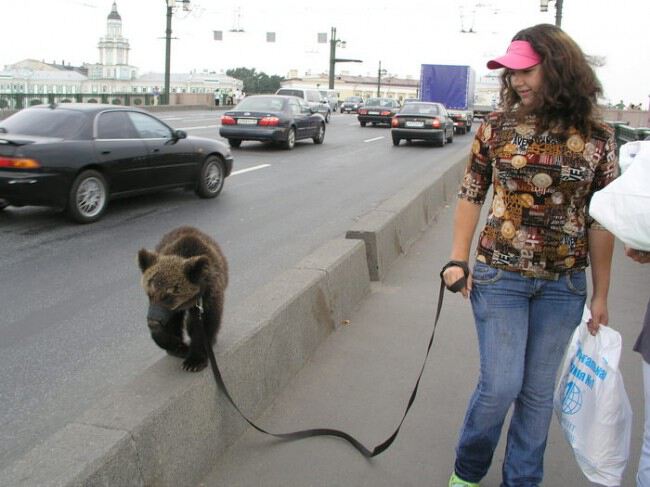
x=545, y=153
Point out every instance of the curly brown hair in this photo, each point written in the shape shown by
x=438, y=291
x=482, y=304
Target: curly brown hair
x=568, y=97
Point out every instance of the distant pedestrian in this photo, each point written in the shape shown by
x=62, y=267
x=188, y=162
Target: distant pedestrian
x=642, y=346
x=545, y=153
x=217, y=97
x=156, y=95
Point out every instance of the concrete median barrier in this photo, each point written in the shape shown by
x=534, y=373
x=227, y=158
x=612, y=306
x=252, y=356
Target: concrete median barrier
x=166, y=427
x=391, y=228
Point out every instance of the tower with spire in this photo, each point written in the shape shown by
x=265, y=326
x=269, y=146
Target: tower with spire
x=113, y=52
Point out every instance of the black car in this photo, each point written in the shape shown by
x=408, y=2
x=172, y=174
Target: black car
x=378, y=111
x=351, y=104
x=423, y=121
x=272, y=118
x=462, y=120
x=78, y=156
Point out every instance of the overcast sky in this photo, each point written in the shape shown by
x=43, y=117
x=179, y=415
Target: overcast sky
x=400, y=34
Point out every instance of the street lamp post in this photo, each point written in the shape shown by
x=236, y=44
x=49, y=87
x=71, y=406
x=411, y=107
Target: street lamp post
x=543, y=7
x=334, y=42
x=379, y=73
x=168, y=43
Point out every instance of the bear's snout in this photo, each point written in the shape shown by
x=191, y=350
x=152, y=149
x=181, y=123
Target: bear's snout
x=158, y=316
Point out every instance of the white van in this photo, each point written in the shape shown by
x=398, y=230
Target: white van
x=332, y=98
x=312, y=97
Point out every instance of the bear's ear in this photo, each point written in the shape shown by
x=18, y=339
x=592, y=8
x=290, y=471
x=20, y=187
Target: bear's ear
x=194, y=268
x=146, y=259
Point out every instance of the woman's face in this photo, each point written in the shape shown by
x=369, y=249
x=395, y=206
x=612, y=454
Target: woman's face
x=527, y=83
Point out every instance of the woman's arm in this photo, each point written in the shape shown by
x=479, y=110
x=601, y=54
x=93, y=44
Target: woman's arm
x=601, y=248
x=465, y=220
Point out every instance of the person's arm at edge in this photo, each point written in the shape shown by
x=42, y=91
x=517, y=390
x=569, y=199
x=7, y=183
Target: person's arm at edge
x=465, y=220
x=601, y=248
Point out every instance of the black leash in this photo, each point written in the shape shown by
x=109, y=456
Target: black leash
x=455, y=287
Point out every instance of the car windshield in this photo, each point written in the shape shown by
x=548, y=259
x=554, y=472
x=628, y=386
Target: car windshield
x=354, y=99
x=420, y=109
x=262, y=104
x=290, y=92
x=45, y=122
x=380, y=102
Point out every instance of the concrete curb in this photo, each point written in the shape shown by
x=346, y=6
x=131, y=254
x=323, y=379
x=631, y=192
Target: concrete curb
x=166, y=427
x=391, y=228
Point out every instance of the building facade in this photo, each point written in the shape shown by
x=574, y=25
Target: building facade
x=111, y=80
x=365, y=86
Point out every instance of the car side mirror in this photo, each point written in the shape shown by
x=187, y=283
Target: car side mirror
x=180, y=134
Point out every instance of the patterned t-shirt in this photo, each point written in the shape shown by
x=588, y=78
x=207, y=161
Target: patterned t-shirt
x=538, y=221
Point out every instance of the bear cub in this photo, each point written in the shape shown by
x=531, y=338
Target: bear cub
x=185, y=279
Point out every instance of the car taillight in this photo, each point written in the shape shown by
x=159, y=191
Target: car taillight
x=435, y=123
x=19, y=163
x=269, y=121
x=394, y=122
x=386, y=113
x=227, y=120
x=362, y=111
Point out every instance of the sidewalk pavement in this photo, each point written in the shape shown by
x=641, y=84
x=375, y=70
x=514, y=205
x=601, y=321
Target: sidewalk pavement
x=360, y=379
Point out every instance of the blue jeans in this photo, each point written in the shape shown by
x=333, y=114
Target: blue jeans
x=524, y=325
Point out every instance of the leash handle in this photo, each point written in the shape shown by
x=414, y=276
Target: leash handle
x=460, y=283
x=295, y=435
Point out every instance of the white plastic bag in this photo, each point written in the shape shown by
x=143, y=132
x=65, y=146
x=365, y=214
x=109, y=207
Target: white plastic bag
x=592, y=405
x=623, y=206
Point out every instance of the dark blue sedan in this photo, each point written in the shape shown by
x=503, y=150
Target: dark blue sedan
x=272, y=118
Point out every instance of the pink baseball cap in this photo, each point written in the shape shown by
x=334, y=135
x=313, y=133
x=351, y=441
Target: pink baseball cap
x=520, y=55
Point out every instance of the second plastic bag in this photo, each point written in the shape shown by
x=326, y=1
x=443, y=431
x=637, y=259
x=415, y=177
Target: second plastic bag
x=592, y=405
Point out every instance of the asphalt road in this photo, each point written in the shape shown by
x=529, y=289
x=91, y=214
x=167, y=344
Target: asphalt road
x=72, y=312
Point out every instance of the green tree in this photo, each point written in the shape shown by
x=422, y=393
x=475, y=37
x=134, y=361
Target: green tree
x=255, y=82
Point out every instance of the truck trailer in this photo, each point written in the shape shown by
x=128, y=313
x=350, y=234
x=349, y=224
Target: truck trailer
x=453, y=86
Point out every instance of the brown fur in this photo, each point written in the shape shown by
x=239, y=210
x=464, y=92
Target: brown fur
x=186, y=264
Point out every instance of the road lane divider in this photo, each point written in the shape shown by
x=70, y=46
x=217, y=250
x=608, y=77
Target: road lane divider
x=374, y=139
x=249, y=169
x=199, y=127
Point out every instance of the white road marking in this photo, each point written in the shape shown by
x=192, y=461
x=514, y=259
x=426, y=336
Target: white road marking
x=372, y=140
x=199, y=127
x=248, y=169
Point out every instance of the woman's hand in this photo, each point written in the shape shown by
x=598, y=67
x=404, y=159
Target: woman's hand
x=599, y=315
x=453, y=274
x=640, y=256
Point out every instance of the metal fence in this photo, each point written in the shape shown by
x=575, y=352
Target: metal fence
x=17, y=101
x=624, y=133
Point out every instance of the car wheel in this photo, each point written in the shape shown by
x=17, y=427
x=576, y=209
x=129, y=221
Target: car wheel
x=363, y=124
x=320, y=137
x=88, y=197
x=450, y=139
x=234, y=142
x=396, y=140
x=443, y=141
x=3, y=204
x=327, y=116
x=291, y=139
x=211, y=178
